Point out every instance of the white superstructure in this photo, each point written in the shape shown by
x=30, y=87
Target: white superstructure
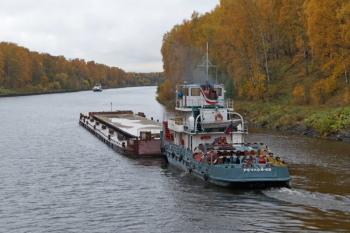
x=203, y=116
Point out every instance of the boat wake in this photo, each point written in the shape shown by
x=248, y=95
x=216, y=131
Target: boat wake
x=327, y=202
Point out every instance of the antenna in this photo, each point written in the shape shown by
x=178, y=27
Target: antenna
x=207, y=62
x=207, y=65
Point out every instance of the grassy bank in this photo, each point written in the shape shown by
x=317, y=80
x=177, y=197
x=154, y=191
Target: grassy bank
x=324, y=121
x=314, y=121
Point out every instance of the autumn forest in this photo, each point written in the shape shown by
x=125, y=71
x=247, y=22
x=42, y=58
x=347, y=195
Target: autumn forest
x=292, y=51
x=25, y=71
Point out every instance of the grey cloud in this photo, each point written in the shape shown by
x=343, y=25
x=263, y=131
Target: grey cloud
x=123, y=33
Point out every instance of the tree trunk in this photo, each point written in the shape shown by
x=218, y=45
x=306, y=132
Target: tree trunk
x=265, y=56
x=345, y=68
x=306, y=64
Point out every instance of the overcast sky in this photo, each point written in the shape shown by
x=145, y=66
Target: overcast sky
x=123, y=33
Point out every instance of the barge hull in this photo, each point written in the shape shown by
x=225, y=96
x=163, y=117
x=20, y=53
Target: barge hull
x=100, y=125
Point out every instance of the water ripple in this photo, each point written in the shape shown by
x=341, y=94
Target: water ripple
x=56, y=177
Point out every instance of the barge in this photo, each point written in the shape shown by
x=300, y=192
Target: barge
x=125, y=132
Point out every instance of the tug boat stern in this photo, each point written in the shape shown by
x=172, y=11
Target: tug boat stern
x=206, y=138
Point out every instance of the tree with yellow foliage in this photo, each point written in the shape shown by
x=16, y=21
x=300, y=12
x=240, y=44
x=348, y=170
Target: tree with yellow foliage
x=21, y=69
x=2, y=78
x=323, y=89
x=299, y=96
x=258, y=43
x=328, y=25
x=167, y=90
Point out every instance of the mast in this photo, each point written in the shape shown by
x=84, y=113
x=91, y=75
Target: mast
x=207, y=62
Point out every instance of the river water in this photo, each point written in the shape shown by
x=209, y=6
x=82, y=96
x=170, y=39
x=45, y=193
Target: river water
x=57, y=177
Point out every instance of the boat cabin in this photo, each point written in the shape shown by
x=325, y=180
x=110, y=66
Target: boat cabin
x=202, y=117
x=195, y=95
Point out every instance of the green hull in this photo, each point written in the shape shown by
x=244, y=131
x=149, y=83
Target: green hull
x=227, y=174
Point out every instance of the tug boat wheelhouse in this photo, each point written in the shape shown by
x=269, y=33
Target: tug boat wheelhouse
x=206, y=138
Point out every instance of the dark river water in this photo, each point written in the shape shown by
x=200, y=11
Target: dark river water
x=57, y=177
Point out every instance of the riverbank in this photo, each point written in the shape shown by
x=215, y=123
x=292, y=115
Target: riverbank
x=322, y=122
x=27, y=92
x=14, y=93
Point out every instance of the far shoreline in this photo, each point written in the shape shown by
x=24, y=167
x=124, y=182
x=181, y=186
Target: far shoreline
x=62, y=91
x=38, y=93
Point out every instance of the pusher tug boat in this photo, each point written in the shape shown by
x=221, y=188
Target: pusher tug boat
x=206, y=138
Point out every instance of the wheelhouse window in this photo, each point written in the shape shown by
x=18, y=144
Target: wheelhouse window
x=218, y=91
x=195, y=91
x=185, y=90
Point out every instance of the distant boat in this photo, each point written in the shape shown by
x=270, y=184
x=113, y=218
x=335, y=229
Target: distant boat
x=97, y=88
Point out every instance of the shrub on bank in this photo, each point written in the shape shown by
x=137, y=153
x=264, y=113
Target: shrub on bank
x=330, y=121
x=323, y=120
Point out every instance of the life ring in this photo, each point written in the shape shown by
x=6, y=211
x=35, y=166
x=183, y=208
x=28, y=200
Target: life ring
x=218, y=117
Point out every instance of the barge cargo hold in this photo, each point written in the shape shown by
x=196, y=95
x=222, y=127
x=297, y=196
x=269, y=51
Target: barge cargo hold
x=125, y=132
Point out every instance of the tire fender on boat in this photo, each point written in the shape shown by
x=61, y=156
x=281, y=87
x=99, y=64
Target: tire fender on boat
x=218, y=117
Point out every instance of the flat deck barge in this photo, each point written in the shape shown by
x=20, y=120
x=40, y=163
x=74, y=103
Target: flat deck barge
x=125, y=132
